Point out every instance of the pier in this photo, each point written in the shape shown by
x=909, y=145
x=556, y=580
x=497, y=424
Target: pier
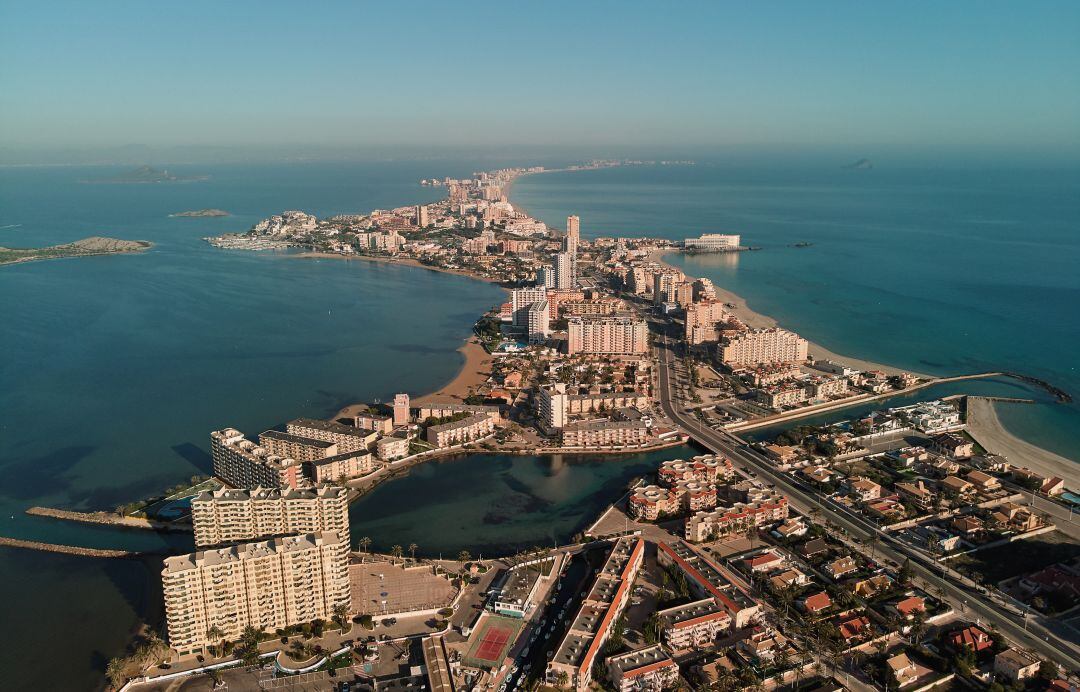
x=77, y=550
x=107, y=519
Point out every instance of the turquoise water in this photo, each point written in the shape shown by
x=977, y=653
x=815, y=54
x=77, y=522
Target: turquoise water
x=496, y=503
x=116, y=369
x=943, y=272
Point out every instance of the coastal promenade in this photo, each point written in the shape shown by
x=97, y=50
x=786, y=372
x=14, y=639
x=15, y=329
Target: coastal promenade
x=1042, y=634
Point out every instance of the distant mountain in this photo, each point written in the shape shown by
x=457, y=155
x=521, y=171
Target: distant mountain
x=147, y=174
x=860, y=165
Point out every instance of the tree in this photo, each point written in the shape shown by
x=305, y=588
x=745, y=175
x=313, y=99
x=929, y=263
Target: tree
x=341, y=616
x=561, y=678
x=116, y=672
x=365, y=543
x=906, y=572
x=412, y=550
x=464, y=556
x=249, y=645
x=397, y=551
x=214, y=634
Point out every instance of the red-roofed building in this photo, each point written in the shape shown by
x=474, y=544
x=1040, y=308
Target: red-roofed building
x=644, y=670
x=854, y=628
x=817, y=602
x=971, y=637
x=909, y=606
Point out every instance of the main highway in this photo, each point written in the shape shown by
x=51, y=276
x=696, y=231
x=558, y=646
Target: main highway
x=1056, y=643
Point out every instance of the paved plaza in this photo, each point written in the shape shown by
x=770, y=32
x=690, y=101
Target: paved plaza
x=385, y=588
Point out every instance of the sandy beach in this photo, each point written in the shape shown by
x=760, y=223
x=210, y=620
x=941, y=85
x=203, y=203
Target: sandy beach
x=983, y=424
x=759, y=321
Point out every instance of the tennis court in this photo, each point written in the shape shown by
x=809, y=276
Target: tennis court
x=492, y=640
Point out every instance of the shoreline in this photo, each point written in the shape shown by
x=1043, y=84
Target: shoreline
x=756, y=320
x=984, y=425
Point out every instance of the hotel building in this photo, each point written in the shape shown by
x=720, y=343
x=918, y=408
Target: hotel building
x=300, y=448
x=644, y=670
x=608, y=335
x=741, y=516
x=347, y=438
x=391, y=448
x=374, y=422
x=693, y=625
x=708, y=468
x=701, y=319
x=664, y=284
x=467, y=429
x=713, y=242
x=266, y=584
x=565, y=274
x=341, y=466
x=760, y=346
x=650, y=502
x=445, y=409
x=521, y=299
x=227, y=516
x=243, y=464
x=591, y=626
x=538, y=322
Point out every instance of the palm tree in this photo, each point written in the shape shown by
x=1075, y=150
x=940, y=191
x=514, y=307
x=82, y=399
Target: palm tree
x=873, y=543
x=341, y=615
x=464, y=556
x=116, y=672
x=397, y=551
x=412, y=550
x=214, y=634
x=365, y=543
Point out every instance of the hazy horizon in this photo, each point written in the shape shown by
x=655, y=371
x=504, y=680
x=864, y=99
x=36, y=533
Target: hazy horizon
x=114, y=82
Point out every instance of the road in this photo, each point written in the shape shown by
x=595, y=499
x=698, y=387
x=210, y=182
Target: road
x=1037, y=633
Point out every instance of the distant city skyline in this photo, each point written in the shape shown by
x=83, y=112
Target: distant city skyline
x=989, y=78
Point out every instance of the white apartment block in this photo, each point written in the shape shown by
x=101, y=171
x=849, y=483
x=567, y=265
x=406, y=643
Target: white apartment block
x=664, y=284
x=644, y=670
x=760, y=346
x=608, y=335
x=693, y=625
x=551, y=407
x=521, y=299
x=232, y=516
x=266, y=584
x=243, y=464
x=701, y=319
x=565, y=270
x=468, y=429
x=713, y=242
x=538, y=322
x=605, y=433
x=724, y=521
x=391, y=448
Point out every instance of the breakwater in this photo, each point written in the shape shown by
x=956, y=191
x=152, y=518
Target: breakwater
x=108, y=519
x=75, y=550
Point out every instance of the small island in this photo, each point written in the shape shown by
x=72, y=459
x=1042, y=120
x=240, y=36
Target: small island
x=146, y=174
x=80, y=248
x=200, y=214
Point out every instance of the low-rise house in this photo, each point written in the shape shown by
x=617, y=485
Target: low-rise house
x=889, y=509
x=841, y=566
x=903, y=669
x=871, y=586
x=983, y=481
x=1011, y=516
x=952, y=445
x=781, y=454
x=973, y=638
x=1016, y=664
x=908, y=607
x=968, y=526
x=764, y=643
x=1052, y=486
x=957, y=486
x=907, y=456
x=817, y=603
x=917, y=493
x=814, y=547
x=854, y=629
x=818, y=474
x=864, y=488
x=791, y=528
x=764, y=562
x=788, y=579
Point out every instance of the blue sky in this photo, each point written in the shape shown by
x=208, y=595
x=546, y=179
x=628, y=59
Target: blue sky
x=887, y=76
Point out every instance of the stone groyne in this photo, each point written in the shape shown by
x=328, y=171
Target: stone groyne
x=71, y=549
x=106, y=518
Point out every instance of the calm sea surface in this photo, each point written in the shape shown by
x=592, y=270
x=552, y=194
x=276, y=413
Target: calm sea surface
x=941, y=272
x=115, y=369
